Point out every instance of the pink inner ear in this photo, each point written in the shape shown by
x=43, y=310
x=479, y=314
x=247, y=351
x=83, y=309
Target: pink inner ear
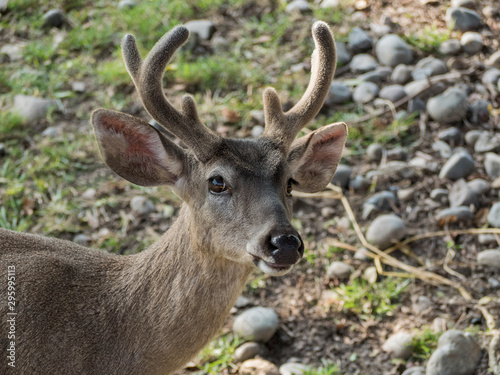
x=322, y=149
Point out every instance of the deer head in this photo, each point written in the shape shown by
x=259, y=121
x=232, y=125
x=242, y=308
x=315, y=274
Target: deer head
x=238, y=191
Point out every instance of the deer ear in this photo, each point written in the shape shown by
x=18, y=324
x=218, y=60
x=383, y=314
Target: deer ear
x=136, y=151
x=313, y=158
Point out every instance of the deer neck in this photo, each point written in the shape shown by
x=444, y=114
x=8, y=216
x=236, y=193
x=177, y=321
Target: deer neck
x=180, y=292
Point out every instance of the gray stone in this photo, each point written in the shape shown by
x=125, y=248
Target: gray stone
x=365, y=92
x=472, y=42
x=246, y=351
x=359, y=184
x=428, y=67
x=486, y=238
x=406, y=195
x=372, y=76
x=421, y=304
x=450, y=47
x=386, y=230
x=462, y=195
x=401, y=74
x=126, y=4
x=374, y=152
x=489, y=258
x=362, y=254
x=342, y=176
x=293, y=368
x=479, y=186
x=439, y=324
x=494, y=60
x=393, y=93
x=205, y=29
x=78, y=86
x=494, y=215
x=3, y=5
x=480, y=111
x=487, y=142
x=363, y=63
x=392, y=50
x=52, y=131
x=385, y=72
x=141, y=205
x=459, y=165
x=491, y=77
x=462, y=19
x=339, y=270
x=330, y=4
x=399, y=345
x=490, y=11
x=472, y=136
x=258, y=117
x=450, y=106
x=257, y=131
x=454, y=215
x=13, y=51
x=359, y=41
x=439, y=195
x=257, y=323
x=422, y=89
x=463, y=3
x=451, y=135
x=301, y=6
x=241, y=302
x=397, y=153
x=343, y=55
x=338, y=93
x=492, y=165
x=416, y=105
x=417, y=370
x=32, y=109
x=457, y=353
x=379, y=30
x=53, y=18
x=381, y=201
x=258, y=367
x=82, y=239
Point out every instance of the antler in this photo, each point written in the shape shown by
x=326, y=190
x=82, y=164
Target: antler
x=147, y=77
x=284, y=127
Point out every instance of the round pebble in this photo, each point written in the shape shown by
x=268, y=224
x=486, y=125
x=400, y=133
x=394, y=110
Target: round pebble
x=246, y=351
x=417, y=370
x=374, y=152
x=258, y=367
x=293, y=368
x=454, y=215
x=342, y=176
x=257, y=323
x=492, y=165
x=393, y=93
x=472, y=42
x=399, y=345
x=462, y=19
x=363, y=63
x=386, y=230
x=365, y=92
x=339, y=270
x=359, y=41
x=338, y=93
x=450, y=47
x=494, y=215
x=459, y=165
x=450, y=106
x=142, y=205
x=53, y=18
x=489, y=258
x=391, y=50
x=401, y=74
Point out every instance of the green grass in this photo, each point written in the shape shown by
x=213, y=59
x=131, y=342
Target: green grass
x=326, y=369
x=428, y=39
x=424, y=343
x=371, y=301
x=218, y=355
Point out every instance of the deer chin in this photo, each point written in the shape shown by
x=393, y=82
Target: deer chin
x=272, y=269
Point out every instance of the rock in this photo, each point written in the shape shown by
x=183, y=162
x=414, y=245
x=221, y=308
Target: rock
x=428, y=67
x=13, y=51
x=450, y=135
x=386, y=230
x=472, y=136
x=373, y=76
x=450, y=106
x=421, y=88
x=52, y=131
x=439, y=324
x=370, y=274
x=401, y=74
x=126, y=4
x=32, y=109
x=362, y=254
x=339, y=270
x=492, y=165
x=374, y=152
x=480, y=110
x=487, y=142
x=450, y=47
x=301, y=6
x=359, y=184
x=343, y=55
x=142, y=205
x=257, y=131
x=78, y=86
x=489, y=258
x=494, y=215
x=82, y=239
x=205, y=29
x=381, y=201
x=241, y=302
x=460, y=165
x=454, y=215
x=379, y=30
x=246, y=351
x=384, y=72
x=256, y=323
x=293, y=368
x=421, y=304
x=486, y=238
x=491, y=77
x=416, y=105
x=494, y=60
x=363, y=63
x=463, y=3
x=393, y=93
x=391, y=50
x=439, y=195
x=417, y=370
x=258, y=117
x=342, y=176
x=479, y=186
x=490, y=11
x=365, y=92
x=338, y=93
x=457, y=353
x=53, y=18
x=359, y=41
x=462, y=19
x=400, y=345
x=258, y=367
x=406, y=195
x=330, y=4
x=462, y=195
x=472, y=42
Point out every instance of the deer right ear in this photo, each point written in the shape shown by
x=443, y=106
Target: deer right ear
x=136, y=151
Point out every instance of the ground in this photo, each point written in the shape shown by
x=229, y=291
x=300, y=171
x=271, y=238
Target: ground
x=55, y=183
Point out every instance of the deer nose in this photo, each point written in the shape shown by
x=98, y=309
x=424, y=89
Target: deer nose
x=289, y=248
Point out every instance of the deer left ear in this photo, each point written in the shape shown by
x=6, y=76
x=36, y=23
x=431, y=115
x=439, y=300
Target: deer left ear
x=313, y=158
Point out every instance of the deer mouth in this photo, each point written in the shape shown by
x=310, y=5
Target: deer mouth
x=272, y=269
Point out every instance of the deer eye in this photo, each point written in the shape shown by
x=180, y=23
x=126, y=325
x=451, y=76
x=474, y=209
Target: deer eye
x=217, y=185
x=289, y=187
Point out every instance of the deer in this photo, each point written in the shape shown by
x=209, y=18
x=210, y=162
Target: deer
x=67, y=309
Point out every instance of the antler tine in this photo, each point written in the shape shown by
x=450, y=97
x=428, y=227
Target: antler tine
x=147, y=77
x=285, y=126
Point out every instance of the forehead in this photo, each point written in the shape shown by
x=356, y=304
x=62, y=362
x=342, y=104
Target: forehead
x=255, y=156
